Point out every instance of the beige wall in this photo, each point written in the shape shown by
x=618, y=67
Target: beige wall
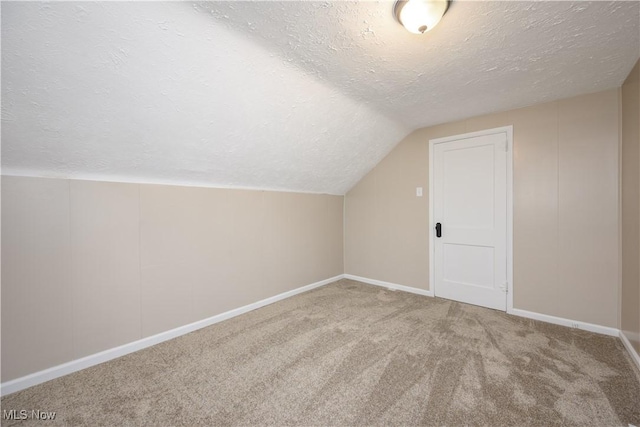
x=630, y=298
x=565, y=208
x=89, y=266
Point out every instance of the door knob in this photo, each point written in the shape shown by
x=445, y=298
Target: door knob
x=438, y=230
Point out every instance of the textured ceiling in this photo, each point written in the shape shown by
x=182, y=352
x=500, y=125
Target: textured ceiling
x=484, y=56
x=158, y=92
x=302, y=96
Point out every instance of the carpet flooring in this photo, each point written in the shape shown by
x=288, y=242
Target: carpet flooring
x=355, y=354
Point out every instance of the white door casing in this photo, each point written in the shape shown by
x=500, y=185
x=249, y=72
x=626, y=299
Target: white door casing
x=470, y=196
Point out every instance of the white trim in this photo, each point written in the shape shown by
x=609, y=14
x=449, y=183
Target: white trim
x=30, y=380
x=605, y=330
x=390, y=285
x=431, y=225
x=509, y=132
x=18, y=173
x=36, y=378
x=632, y=351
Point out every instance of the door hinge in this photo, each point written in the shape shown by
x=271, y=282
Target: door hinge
x=505, y=287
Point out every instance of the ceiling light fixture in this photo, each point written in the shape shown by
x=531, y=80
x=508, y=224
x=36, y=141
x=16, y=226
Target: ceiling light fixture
x=420, y=16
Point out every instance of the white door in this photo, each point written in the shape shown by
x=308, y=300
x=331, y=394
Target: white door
x=469, y=215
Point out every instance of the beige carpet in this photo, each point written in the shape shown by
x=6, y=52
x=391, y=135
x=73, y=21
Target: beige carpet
x=356, y=354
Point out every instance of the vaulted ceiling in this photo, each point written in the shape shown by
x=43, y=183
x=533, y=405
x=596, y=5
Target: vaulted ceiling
x=300, y=96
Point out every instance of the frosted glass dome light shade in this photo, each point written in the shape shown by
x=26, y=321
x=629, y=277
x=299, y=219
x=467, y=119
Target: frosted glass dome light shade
x=420, y=16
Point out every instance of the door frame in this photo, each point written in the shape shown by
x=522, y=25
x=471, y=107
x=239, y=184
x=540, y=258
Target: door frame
x=508, y=130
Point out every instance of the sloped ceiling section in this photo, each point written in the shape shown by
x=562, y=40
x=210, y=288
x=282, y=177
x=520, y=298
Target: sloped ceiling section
x=483, y=57
x=292, y=95
x=160, y=92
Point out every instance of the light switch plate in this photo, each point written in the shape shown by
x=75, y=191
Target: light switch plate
x=418, y=191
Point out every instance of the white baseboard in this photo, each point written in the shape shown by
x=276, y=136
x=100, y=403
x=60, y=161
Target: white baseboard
x=632, y=351
x=30, y=380
x=36, y=378
x=605, y=330
x=389, y=285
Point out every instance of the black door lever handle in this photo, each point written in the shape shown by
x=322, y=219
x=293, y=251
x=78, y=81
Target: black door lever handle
x=438, y=230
